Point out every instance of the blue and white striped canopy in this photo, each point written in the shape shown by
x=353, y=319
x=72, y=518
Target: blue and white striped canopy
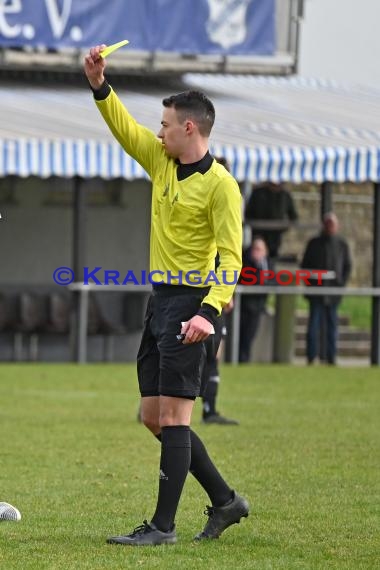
x=276, y=129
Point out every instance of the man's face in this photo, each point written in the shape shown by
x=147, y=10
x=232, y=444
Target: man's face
x=173, y=134
x=331, y=226
x=258, y=250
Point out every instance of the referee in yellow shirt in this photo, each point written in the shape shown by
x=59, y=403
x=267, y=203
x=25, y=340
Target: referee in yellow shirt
x=195, y=213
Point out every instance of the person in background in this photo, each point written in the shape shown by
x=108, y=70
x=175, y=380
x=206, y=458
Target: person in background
x=252, y=306
x=211, y=377
x=331, y=252
x=271, y=202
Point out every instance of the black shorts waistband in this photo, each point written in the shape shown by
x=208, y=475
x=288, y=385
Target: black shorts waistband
x=171, y=290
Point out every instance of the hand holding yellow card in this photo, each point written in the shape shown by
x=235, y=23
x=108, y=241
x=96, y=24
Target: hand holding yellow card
x=110, y=49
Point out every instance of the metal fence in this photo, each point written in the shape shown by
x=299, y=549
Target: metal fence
x=83, y=291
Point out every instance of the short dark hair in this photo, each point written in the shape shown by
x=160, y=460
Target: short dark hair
x=193, y=105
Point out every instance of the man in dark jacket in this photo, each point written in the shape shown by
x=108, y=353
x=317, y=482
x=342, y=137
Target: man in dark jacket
x=271, y=203
x=327, y=251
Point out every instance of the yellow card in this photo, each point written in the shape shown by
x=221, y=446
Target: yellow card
x=113, y=48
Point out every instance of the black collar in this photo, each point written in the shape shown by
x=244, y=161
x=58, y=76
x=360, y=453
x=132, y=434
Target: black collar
x=202, y=166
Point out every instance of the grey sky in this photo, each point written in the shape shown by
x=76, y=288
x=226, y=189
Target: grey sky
x=340, y=39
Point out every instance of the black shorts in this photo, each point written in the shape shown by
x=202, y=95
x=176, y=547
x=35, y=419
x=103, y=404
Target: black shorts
x=166, y=366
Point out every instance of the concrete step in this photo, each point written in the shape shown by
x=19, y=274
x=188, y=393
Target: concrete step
x=302, y=319
x=345, y=333
x=345, y=348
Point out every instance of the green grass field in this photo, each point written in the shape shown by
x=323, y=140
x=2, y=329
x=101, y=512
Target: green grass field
x=78, y=466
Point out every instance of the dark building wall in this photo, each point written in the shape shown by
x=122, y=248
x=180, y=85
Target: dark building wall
x=36, y=228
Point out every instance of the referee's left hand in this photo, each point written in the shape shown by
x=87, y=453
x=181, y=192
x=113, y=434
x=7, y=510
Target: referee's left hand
x=196, y=329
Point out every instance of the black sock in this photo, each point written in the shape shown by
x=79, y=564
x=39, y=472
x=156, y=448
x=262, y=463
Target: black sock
x=174, y=466
x=209, y=396
x=205, y=472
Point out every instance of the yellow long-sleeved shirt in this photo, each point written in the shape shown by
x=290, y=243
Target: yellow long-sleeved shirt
x=191, y=219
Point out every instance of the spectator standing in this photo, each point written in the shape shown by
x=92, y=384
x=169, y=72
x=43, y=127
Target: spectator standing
x=271, y=203
x=328, y=251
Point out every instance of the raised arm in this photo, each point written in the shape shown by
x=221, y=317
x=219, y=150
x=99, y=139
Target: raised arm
x=138, y=141
x=94, y=66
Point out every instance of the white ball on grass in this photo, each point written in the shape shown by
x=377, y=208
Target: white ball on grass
x=9, y=513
